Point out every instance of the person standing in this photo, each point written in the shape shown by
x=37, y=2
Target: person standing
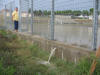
x=15, y=19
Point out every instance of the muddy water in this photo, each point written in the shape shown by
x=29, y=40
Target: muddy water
x=69, y=34
x=74, y=34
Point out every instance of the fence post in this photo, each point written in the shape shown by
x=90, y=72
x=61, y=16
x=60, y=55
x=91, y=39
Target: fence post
x=10, y=15
x=95, y=25
x=32, y=16
x=5, y=15
x=28, y=17
x=52, y=21
x=20, y=18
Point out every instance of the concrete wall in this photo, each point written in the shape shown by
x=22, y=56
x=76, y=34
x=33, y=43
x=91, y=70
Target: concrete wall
x=69, y=52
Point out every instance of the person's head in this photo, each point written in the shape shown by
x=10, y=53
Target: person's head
x=16, y=8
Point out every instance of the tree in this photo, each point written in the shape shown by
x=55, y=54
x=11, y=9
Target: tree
x=39, y=12
x=77, y=13
x=69, y=12
x=29, y=10
x=91, y=11
x=45, y=12
x=85, y=12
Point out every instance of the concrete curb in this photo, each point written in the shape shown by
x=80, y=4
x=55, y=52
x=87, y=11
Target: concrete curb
x=70, y=53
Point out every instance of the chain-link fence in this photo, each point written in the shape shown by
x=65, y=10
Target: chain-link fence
x=1, y=19
x=98, y=34
x=68, y=21
x=42, y=12
x=9, y=7
x=37, y=21
x=74, y=21
x=1, y=14
x=25, y=16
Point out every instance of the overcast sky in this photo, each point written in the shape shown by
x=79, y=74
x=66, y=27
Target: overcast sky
x=59, y=4
x=64, y=4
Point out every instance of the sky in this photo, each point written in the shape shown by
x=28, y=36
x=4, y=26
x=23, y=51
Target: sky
x=59, y=4
x=64, y=4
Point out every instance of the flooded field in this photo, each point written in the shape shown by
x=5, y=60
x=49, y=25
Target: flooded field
x=74, y=33
x=70, y=31
x=69, y=34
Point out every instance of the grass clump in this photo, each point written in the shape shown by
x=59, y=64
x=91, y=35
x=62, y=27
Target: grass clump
x=83, y=67
x=9, y=70
x=38, y=52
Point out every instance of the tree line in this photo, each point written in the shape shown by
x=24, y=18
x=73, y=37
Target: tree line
x=64, y=12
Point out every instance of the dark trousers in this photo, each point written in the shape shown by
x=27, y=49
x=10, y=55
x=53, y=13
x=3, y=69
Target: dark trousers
x=16, y=25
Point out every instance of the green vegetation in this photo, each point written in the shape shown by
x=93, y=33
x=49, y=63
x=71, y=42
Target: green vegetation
x=91, y=11
x=20, y=57
x=64, y=12
x=6, y=70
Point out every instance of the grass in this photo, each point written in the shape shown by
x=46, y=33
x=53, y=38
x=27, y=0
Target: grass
x=20, y=57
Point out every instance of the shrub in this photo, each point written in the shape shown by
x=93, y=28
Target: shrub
x=6, y=70
x=3, y=33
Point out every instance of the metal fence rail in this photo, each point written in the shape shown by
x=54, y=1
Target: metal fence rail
x=73, y=22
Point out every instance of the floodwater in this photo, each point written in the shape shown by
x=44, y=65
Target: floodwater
x=79, y=34
x=70, y=33
x=74, y=35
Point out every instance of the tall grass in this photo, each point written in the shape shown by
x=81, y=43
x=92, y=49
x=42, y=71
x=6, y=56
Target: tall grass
x=20, y=57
